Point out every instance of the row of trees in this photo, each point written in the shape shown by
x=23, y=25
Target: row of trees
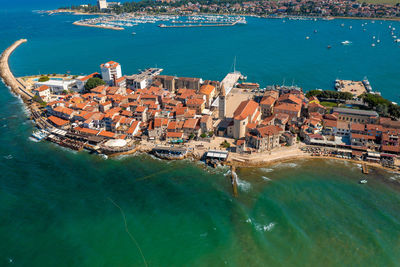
x=381, y=105
x=334, y=95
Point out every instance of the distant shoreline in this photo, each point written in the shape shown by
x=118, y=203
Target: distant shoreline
x=74, y=12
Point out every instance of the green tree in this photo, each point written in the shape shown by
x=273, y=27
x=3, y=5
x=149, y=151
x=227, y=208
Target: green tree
x=225, y=144
x=92, y=83
x=44, y=79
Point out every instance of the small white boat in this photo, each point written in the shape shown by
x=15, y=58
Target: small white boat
x=363, y=181
x=378, y=41
x=133, y=33
x=39, y=135
x=346, y=42
x=307, y=37
x=372, y=45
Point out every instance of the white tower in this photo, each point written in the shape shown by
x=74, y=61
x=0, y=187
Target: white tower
x=102, y=4
x=110, y=72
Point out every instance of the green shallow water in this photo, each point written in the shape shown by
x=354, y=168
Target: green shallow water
x=56, y=210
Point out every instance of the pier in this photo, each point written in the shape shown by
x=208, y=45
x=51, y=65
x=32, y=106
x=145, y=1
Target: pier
x=234, y=181
x=198, y=25
x=230, y=80
x=98, y=26
x=365, y=169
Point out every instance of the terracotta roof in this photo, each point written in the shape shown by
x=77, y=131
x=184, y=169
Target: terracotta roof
x=290, y=98
x=57, y=121
x=358, y=127
x=287, y=107
x=269, y=100
x=206, y=89
x=391, y=148
x=86, y=130
x=245, y=109
x=84, y=79
x=363, y=136
x=174, y=134
x=269, y=130
x=195, y=102
x=329, y=123
x=110, y=64
x=42, y=88
x=133, y=127
x=190, y=123
x=106, y=134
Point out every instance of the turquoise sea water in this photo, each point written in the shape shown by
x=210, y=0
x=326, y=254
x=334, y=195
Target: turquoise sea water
x=57, y=206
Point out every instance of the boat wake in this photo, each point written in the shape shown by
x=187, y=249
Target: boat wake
x=243, y=185
x=266, y=178
x=33, y=139
x=266, y=169
x=265, y=227
x=262, y=227
x=8, y=157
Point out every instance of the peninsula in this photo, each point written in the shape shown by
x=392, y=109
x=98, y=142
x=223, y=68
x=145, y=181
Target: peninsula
x=222, y=122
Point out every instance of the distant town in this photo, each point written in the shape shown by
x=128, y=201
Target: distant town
x=280, y=8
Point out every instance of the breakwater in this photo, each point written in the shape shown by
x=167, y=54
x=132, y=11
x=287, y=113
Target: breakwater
x=7, y=75
x=98, y=26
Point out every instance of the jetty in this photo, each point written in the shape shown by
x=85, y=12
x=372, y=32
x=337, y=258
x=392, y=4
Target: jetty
x=365, y=169
x=198, y=25
x=110, y=27
x=8, y=77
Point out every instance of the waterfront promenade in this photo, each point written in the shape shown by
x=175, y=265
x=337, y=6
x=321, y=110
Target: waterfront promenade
x=7, y=75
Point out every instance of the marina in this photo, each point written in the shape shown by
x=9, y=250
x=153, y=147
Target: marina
x=121, y=22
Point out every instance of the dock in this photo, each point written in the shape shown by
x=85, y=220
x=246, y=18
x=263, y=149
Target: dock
x=198, y=25
x=234, y=181
x=365, y=168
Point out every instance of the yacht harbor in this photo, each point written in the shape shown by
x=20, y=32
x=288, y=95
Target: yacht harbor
x=121, y=22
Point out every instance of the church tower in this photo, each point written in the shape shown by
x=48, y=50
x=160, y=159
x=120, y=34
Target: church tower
x=222, y=103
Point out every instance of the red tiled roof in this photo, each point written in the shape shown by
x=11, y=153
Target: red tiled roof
x=86, y=130
x=190, y=123
x=57, y=121
x=245, y=109
x=42, y=88
x=106, y=134
x=206, y=89
x=89, y=76
x=174, y=134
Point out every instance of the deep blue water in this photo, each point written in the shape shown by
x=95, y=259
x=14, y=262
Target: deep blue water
x=267, y=51
x=55, y=204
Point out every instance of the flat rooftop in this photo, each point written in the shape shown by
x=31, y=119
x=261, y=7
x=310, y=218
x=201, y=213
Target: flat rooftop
x=145, y=74
x=356, y=88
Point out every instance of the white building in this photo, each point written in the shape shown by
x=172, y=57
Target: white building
x=43, y=92
x=57, y=86
x=110, y=72
x=142, y=79
x=102, y=4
